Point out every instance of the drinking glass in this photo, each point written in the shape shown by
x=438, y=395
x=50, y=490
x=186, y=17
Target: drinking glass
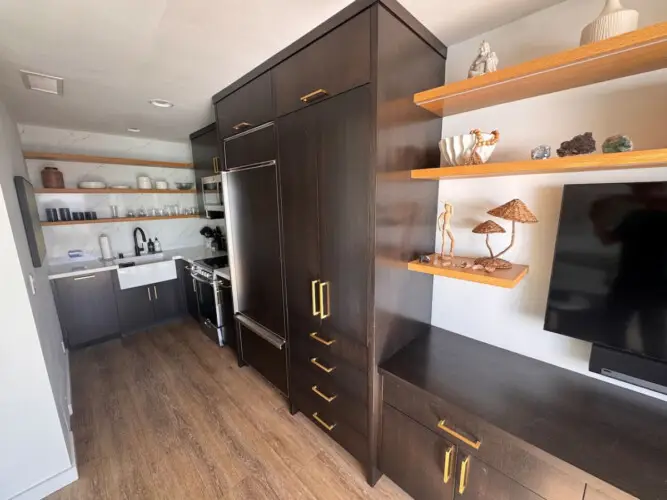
x=114, y=211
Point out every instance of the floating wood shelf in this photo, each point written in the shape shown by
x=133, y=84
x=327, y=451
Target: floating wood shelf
x=121, y=219
x=29, y=155
x=505, y=278
x=113, y=191
x=624, y=55
x=580, y=163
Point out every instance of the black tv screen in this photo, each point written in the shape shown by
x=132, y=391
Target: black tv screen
x=609, y=277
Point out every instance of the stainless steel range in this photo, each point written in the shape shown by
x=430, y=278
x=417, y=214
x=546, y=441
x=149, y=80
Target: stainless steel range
x=214, y=297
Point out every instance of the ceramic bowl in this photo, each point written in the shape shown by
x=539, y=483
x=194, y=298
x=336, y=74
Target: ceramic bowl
x=92, y=185
x=455, y=150
x=161, y=185
x=184, y=186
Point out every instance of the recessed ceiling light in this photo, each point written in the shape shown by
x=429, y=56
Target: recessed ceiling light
x=161, y=103
x=134, y=130
x=42, y=83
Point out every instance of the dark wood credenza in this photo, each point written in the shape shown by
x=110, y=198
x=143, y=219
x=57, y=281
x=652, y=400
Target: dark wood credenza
x=464, y=419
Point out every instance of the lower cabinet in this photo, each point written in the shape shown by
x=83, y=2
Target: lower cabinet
x=428, y=466
x=189, y=290
x=264, y=357
x=143, y=306
x=86, y=308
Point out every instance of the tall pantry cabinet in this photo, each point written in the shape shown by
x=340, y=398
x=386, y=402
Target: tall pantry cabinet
x=347, y=135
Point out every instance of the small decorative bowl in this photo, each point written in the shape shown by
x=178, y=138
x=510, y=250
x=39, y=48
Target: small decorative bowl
x=457, y=149
x=184, y=186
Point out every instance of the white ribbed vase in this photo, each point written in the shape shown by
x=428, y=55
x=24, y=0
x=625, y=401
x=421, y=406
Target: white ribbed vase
x=613, y=20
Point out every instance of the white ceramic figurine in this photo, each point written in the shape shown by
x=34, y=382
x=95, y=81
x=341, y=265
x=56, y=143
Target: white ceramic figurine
x=485, y=62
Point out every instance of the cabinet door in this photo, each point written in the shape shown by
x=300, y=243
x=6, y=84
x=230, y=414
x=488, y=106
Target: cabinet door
x=477, y=481
x=166, y=300
x=251, y=148
x=205, y=159
x=344, y=197
x=190, y=293
x=87, y=308
x=248, y=107
x=418, y=460
x=135, y=308
x=298, y=143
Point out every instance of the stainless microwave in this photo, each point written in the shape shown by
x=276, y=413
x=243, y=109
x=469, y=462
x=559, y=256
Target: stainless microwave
x=211, y=191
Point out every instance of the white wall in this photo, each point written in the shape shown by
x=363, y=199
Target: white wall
x=35, y=442
x=59, y=239
x=637, y=106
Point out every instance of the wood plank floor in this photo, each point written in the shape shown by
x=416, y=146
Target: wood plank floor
x=168, y=414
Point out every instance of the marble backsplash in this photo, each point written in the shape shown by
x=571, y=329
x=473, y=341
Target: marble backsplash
x=176, y=233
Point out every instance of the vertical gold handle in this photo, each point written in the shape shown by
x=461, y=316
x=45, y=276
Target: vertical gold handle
x=313, y=295
x=328, y=399
x=328, y=313
x=323, y=423
x=216, y=165
x=463, y=480
x=447, y=473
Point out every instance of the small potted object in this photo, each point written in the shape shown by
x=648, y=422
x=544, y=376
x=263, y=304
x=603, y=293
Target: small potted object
x=515, y=211
x=52, y=178
x=487, y=228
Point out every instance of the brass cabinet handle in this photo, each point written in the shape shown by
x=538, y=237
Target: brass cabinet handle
x=241, y=126
x=322, y=315
x=216, y=165
x=323, y=423
x=315, y=94
x=321, y=340
x=463, y=480
x=447, y=473
x=473, y=444
x=328, y=399
x=313, y=296
x=321, y=366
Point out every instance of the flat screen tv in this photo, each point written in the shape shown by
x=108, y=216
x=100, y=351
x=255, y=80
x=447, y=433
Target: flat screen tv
x=609, y=278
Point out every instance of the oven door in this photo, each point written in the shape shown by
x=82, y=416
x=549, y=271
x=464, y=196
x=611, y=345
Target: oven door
x=211, y=188
x=210, y=314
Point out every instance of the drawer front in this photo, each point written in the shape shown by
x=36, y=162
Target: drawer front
x=497, y=449
x=328, y=369
x=254, y=146
x=345, y=435
x=335, y=63
x=418, y=460
x=329, y=396
x=268, y=360
x=248, y=107
x=315, y=343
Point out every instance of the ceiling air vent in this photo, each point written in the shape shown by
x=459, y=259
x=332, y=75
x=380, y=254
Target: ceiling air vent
x=42, y=83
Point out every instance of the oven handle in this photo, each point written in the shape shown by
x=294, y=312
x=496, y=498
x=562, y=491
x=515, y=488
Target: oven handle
x=202, y=280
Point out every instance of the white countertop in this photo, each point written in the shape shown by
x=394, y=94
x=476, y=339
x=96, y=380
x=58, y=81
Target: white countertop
x=188, y=254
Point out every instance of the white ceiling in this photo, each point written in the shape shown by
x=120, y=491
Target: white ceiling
x=116, y=55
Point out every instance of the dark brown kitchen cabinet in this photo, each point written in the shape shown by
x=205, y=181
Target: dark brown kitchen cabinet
x=252, y=147
x=248, y=107
x=205, y=159
x=267, y=358
x=337, y=62
x=477, y=481
x=86, y=308
x=418, y=460
x=189, y=286
x=167, y=300
x=144, y=306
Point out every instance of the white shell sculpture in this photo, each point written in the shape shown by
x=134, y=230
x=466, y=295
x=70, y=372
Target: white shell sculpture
x=613, y=20
x=457, y=149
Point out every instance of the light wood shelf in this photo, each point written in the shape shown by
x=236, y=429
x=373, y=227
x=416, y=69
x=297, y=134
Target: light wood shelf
x=580, y=163
x=624, y=55
x=120, y=219
x=505, y=278
x=31, y=155
x=113, y=191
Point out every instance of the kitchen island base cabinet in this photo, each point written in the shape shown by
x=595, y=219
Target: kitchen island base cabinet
x=86, y=308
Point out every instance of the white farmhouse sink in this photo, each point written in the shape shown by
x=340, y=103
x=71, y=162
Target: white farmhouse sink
x=146, y=274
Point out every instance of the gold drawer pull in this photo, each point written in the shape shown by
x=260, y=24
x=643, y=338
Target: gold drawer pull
x=473, y=444
x=463, y=480
x=328, y=313
x=321, y=366
x=313, y=296
x=323, y=423
x=316, y=94
x=321, y=340
x=242, y=125
x=447, y=475
x=328, y=399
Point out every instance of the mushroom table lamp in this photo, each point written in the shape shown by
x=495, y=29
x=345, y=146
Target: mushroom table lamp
x=488, y=228
x=515, y=211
